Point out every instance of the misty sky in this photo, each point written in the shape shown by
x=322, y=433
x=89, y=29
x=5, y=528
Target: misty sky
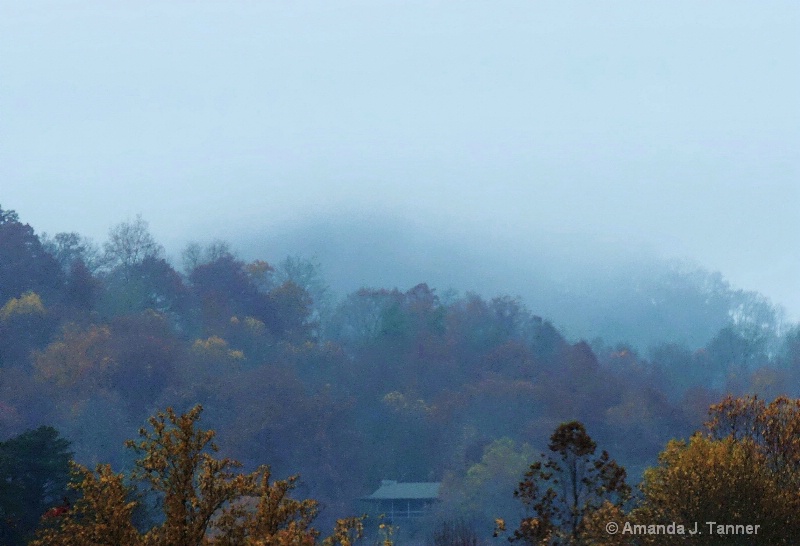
x=672, y=126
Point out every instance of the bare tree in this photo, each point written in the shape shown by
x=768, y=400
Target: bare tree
x=130, y=243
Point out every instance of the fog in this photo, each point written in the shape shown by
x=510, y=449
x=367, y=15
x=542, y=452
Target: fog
x=567, y=218
x=531, y=140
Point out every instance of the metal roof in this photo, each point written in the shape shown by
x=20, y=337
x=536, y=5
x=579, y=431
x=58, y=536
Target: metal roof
x=391, y=489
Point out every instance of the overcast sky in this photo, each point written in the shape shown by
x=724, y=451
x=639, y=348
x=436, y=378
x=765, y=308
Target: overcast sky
x=669, y=125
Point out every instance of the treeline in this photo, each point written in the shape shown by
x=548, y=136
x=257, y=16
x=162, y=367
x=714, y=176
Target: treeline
x=385, y=383
x=735, y=482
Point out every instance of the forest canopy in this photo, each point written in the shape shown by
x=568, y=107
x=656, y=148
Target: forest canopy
x=411, y=384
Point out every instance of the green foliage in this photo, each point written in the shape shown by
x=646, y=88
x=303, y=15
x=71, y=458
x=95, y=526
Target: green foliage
x=34, y=471
x=482, y=492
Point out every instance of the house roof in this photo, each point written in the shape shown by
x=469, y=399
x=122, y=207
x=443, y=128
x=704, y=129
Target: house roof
x=390, y=489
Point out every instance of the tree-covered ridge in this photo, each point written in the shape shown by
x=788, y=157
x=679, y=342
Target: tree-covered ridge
x=412, y=384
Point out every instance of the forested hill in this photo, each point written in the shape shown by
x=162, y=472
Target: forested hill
x=406, y=383
x=588, y=287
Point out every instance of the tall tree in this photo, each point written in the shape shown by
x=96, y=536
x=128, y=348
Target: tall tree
x=176, y=462
x=130, y=243
x=562, y=489
x=773, y=428
x=149, y=284
x=25, y=324
x=102, y=515
x=225, y=289
x=34, y=471
x=24, y=264
x=205, y=500
x=69, y=248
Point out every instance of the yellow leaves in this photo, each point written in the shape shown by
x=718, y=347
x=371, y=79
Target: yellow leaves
x=101, y=516
x=703, y=466
x=773, y=427
x=204, y=498
x=215, y=348
x=175, y=462
x=254, y=325
x=28, y=303
x=596, y=526
x=386, y=533
x=399, y=402
x=345, y=527
x=78, y=356
x=204, y=501
x=260, y=272
x=536, y=531
x=251, y=325
x=725, y=480
x=212, y=344
x=267, y=515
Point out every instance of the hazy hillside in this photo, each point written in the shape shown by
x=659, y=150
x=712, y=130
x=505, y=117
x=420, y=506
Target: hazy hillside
x=590, y=288
x=415, y=383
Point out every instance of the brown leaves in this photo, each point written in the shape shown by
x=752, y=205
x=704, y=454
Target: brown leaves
x=563, y=489
x=571, y=439
x=773, y=428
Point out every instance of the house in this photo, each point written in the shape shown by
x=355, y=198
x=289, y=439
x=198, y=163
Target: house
x=396, y=500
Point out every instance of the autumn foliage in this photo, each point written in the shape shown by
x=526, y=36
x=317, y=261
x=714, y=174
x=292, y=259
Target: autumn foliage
x=565, y=487
x=204, y=499
x=413, y=383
